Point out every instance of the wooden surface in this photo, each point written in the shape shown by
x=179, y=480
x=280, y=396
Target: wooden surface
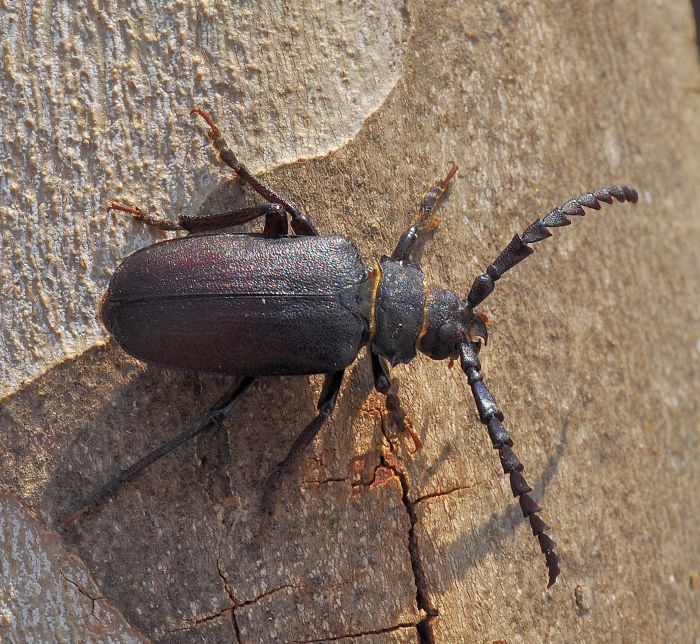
x=593, y=356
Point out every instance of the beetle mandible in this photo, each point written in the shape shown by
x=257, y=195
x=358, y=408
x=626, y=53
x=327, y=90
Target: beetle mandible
x=244, y=304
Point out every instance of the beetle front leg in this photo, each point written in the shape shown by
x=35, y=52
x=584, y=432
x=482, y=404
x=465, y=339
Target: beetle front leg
x=325, y=406
x=384, y=385
x=491, y=416
x=412, y=242
x=300, y=223
x=215, y=416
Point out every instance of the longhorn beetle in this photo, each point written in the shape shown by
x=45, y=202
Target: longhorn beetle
x=274, y=304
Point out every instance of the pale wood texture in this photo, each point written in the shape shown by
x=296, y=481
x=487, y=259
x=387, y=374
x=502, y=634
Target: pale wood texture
x=593, y=356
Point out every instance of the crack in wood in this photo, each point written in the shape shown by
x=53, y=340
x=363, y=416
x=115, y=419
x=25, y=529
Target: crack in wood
x=336, y=638
x=232, y=596
x=435, y=495
x=424, y=627
x=84, y=593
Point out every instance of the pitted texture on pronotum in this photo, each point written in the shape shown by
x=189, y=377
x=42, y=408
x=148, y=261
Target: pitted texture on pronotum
x=517, y=250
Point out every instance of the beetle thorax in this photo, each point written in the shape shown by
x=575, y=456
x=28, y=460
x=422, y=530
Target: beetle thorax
x=399, y=307
x=408, y=317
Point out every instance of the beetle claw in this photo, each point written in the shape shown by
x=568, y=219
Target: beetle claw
x=408, y=428
x=197, y=111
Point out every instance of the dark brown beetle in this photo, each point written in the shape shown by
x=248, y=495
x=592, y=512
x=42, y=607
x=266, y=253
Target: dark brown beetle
x=273, y=304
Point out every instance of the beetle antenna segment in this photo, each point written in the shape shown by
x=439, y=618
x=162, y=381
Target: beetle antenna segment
x=517, y=250
x=215, y=416
x=300, y=223
x=492, y=416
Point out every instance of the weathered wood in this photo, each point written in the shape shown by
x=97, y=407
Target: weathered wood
x=593, y=351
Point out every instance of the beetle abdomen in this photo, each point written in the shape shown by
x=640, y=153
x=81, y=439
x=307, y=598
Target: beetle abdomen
x=240, y=304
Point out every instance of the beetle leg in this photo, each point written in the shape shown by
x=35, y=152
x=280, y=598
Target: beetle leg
x=215, y=416
x=148, y=218
x=275, y=219
x=411, y=244
x=384, y=385
x=517, y=250
x=300, y=223
x=325, y=406
x=491, y=416
x=380, y=373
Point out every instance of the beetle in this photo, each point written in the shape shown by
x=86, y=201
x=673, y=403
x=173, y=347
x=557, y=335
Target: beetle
x=277, y=304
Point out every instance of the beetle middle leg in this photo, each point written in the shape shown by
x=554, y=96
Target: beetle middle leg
x=325, y=406
x=411, y=244
x=275, y=218
x=384, y=385
x=148, y=218
x=300, y=223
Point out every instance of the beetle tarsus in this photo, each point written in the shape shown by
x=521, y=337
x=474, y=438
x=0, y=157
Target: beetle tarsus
x=407, y=426
x=411, y=244
x=198, y=111
x=400, y=418
x=492, y=416
x=450, y=174
x=518, y=248
x=162, y=223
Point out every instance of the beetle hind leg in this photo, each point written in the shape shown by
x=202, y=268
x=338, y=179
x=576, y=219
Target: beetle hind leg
x=325, y=406
x=215, y=416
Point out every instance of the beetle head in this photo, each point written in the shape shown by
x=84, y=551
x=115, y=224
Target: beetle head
x=449, y=324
